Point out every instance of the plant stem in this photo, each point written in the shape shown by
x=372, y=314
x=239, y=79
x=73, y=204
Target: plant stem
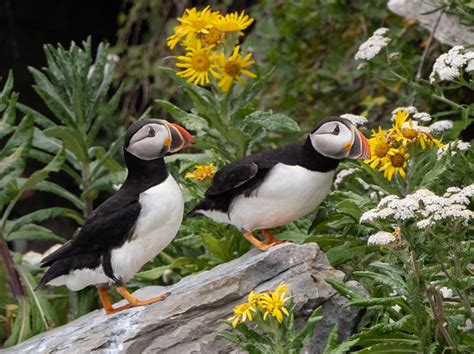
x=15, y=282
x=436, y=310
x=88, y=206
x=428, y=45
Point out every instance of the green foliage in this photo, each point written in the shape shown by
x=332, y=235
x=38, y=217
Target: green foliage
x=269, y=336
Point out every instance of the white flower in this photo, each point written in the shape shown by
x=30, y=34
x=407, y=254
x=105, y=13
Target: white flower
x=422, y=117
x=452, y=147
x=467, y=326
x=463, y=145
x=381, y=238
x=411, y=110
x=381, y=31
x=448, y=65
x=425, y=223
x=470, y=61
x=343, y=174
x=441, y=125
x=355, y=119
x=446, y=292
x=33, y=257
x=426, y=207
x=372, y=46
x=468, y=190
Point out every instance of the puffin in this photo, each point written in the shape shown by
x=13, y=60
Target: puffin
x=277, y=186
x=132, y=226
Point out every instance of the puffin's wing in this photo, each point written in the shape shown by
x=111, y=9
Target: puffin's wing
x=232, y=176
x=107, y=227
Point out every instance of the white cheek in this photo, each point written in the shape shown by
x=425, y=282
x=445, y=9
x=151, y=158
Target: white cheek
x=331, y=145
x=147, y=149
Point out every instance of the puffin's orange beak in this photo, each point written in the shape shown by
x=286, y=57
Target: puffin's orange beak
x=360, y=149
x=180, y=137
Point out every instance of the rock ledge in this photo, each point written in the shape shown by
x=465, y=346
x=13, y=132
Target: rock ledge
x=188, y=321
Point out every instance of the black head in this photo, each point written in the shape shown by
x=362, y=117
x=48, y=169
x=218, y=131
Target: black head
x=150, y=139
x=338, y=138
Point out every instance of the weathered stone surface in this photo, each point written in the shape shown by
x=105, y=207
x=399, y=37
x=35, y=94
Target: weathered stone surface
x=188, y=321
x=450, y=30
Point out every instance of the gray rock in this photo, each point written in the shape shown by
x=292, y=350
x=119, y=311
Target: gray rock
x=450, y=30
x=189, y=320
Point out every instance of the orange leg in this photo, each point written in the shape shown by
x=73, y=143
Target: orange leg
x=109, y=309
x=257, y=243
x=135, y=302
x=269, y=239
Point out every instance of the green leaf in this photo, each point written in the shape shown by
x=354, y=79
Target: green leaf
x=43, y=121
x=188, y=120
x=50, y=95
x=349, y=250
x=151, y=274
x=41, y=215
x=278, y=122
x=307, y=331
x=344, y=290
x=106, y=182
x=56, y=189
x=217, y=247
x=38, y=176
x=40, y=305
x=33, y=232
x=71, y=140
x=22, y=135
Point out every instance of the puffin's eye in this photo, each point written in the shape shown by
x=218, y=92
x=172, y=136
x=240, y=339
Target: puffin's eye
x=336, y=130
x=151, y=132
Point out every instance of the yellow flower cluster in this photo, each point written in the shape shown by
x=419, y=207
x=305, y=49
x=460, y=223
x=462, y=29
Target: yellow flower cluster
x=205, y=35
x=202, y=172
x=388, y=147
x=270, y=302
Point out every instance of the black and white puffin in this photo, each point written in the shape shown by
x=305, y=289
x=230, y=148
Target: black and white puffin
x=131, y=227
x=278, y=186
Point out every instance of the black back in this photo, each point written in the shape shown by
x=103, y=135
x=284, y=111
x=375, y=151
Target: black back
x=246, y=175
x=110, y=225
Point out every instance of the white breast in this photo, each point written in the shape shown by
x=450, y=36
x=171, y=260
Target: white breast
x=158, y=223
x=288, y=193
x=159, y=220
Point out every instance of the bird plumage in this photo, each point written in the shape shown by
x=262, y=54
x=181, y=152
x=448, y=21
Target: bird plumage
x=277, y=186
x=131, y=227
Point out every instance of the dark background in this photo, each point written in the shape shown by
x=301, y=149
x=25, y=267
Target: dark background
x=25, y=25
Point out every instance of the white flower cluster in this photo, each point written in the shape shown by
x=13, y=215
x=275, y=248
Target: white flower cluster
x=372, y=46
x=441, y=126
x=425, y=206
x=33, y=257
x=381, y=238
x=343, y=174
x=355, y=119
x=423, y=117
x=453, y=147
x=448, y=65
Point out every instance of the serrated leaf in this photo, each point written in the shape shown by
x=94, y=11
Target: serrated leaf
x=41, y=215
x=275, y=122
x=71, y=140
x=32, y=232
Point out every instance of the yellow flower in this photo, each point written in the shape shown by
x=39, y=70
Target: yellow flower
x=273, y=303
x=193, y=22
x=244, y=311
x=234, y=22
x=380, y=144
x=232, y=68
x=408, y=132
x=198, y=63
x=395, y=162
x=202, y=172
